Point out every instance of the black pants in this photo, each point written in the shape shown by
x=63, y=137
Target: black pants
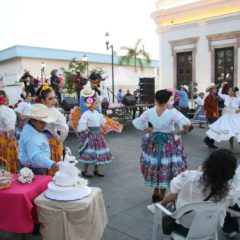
x=208, y=140
x=231, y=223
x=184, y=111
x=78, y=91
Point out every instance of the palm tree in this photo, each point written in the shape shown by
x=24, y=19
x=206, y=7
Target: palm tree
x=136, y=56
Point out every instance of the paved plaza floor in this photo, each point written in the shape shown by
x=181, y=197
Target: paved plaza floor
x=125, y=194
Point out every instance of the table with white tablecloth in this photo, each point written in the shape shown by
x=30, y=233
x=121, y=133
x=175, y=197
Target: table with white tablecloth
x=72, y=220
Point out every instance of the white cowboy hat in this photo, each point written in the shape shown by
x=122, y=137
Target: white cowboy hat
x=88, y=92
x=210, y=87
x=26, y=71
x=41, y=112
x=185, y=87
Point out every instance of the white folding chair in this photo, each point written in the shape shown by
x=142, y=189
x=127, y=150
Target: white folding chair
x=203, y=226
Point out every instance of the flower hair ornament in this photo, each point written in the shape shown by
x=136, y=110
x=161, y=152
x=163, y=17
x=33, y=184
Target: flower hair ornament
x=2, y=100
x=171, y=90
x=45, y=87
x=90, y=100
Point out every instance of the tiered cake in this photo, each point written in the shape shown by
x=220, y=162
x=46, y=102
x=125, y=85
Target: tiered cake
x=66, y=184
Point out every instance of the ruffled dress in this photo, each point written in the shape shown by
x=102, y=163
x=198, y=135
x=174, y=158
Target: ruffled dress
x=93, y=148
x=228, y=125
x=199, y=115
x=163, y=155
x=56, y=133
x=8, y=142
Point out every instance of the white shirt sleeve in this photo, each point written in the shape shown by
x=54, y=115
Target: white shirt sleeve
x=103, y=121
x=61, y=126
x=7, y=119
x=82, y=124
x=141, y=122
x=223, y=96
x=179, y=181
x=180, y=119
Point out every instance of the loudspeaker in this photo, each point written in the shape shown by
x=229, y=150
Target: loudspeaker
x=129, y=100
x=68, y=103
x=105, y=103
x=147, y=90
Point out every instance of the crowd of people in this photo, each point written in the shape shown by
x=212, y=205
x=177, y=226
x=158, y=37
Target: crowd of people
x=33, y=133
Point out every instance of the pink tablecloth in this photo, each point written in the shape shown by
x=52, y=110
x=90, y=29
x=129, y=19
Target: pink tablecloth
x=17, y=208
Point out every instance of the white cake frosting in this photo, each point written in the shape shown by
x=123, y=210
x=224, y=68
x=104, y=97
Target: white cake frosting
x=67, y=184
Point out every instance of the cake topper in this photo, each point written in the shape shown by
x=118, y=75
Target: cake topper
x=68, y=157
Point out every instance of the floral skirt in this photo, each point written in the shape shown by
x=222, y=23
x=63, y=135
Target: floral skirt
x=161, y=163
x=9, y=152
x=56, y=152
x=93, y=148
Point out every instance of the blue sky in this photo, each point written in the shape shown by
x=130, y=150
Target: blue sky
x=78, y=24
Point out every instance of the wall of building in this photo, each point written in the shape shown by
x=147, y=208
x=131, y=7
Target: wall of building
x=124, y=76
x=201, y=29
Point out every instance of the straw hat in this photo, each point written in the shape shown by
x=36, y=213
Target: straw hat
x=185, y=87
x=210, y=87
x=41, y=113
x=88, y=92
x=26, y=71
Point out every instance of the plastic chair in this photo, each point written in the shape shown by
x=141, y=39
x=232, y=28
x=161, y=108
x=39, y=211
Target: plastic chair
x=203, y=226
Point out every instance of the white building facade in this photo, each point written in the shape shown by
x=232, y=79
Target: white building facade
x=15, y=59
x=199, y=42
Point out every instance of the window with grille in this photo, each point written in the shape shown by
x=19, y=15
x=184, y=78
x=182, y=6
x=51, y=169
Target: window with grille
x=224, y=65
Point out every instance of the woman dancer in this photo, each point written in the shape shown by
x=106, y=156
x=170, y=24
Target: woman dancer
x=56, y=131
x=8, y=143
x=199, y=114
x=163, y=155
x=228, y=125
x=93, y=148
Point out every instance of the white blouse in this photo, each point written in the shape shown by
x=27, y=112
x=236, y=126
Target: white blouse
x=199, y=101
x=59, y=128
x=189, y=190
x=164, y=123
x=231, y=103
x=7, y=120
x=90, y=119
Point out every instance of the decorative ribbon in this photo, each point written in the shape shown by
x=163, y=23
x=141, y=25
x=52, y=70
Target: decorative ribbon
x=94, y=129
x=159, y=138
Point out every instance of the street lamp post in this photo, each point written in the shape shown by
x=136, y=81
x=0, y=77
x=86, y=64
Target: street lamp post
x=85, y=61
x=43, y=65
x=107, y=36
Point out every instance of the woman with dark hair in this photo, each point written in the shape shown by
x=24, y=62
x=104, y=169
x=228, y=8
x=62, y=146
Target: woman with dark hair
x=3, y=93
x=211, y=182
x=56, y=131
x=228, y=125
x=163, y=155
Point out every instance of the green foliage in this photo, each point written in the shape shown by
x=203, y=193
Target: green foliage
x=136, y=56
x=69, y=73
